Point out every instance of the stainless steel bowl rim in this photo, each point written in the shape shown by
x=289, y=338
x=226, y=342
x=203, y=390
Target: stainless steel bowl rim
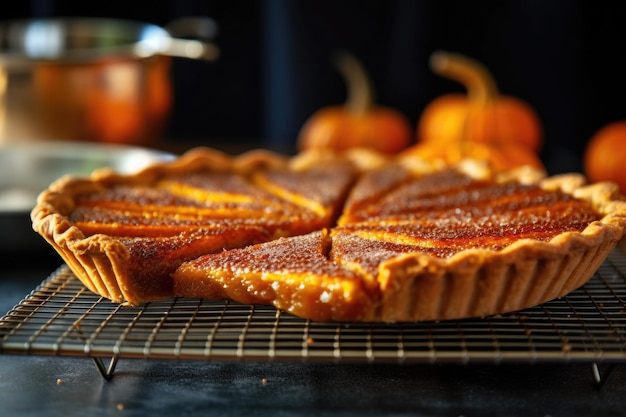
x=27, y=169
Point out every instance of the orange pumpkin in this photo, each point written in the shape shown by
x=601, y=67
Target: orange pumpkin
x=359, y=122
x=604, y=158
x=481, y=115
x=499, y=155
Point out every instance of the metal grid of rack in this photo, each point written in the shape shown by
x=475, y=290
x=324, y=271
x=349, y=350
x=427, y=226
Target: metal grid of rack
x=61, y=317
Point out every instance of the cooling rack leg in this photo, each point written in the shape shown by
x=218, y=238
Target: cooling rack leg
x=598, y=379
x=105, y=371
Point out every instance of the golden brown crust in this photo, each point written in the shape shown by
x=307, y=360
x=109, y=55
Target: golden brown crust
x=407, y=286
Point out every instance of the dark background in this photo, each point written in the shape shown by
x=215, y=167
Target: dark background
x=563, y=57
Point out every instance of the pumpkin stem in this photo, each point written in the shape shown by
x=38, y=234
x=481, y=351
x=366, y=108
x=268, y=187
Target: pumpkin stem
x=480, y=84
x=360, y=93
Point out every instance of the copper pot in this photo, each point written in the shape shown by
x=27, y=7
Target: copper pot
x=92, y=79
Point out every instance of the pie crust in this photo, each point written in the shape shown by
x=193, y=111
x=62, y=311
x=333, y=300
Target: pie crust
x=326, y=222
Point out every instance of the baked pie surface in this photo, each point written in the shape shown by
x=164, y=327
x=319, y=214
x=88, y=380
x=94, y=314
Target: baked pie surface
x=348, y=237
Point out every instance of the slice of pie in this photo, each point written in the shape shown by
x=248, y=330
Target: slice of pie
x=355, y=236
x=293, y=274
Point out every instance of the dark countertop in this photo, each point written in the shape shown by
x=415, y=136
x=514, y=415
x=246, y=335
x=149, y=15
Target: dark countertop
x=56, y=386
x=53, y=385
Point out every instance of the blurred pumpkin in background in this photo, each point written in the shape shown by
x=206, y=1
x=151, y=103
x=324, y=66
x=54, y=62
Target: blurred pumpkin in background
x=482, y=124
x=500, y=156
x=481, y=115
x=604, y=158
x=359, y=122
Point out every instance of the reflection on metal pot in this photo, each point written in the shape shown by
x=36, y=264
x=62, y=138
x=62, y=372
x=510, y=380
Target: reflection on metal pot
x=105, y=80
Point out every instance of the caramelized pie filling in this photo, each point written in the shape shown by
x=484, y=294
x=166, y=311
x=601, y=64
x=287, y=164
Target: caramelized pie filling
x=294, y=274
x=438, y=214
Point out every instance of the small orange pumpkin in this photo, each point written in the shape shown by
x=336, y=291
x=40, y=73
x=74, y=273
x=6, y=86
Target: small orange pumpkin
x=357, y=123
x=500, y=156
x=604, y=158
x=482, y=115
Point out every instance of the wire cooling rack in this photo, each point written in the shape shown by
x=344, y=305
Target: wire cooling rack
x=61, y=317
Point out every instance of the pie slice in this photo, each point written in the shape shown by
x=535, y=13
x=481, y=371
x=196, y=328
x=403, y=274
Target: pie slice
x=124, y=235
x=412, y=246
x=293, y=274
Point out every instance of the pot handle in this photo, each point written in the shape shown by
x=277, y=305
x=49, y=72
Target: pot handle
x=201, y=29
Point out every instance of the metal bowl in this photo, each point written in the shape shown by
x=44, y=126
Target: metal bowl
x=27, y=169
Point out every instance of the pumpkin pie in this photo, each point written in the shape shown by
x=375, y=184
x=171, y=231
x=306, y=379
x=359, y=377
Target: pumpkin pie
x=351, y=236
